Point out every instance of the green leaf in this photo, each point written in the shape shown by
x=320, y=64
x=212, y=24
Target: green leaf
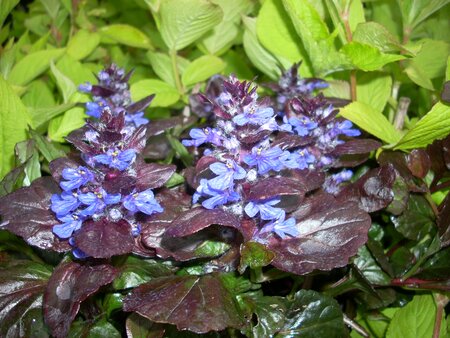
x=47, y=149
x=38, y=95
x=277, y=34
x=257, y=54
x=12, y=181
x=13, y=125
x=416, y=319
x=33, y=65
x=368, y=58
x=82, y=44
x=311, y=314
x=93, y=329
x=162, y=66
x=180, y=150
x=27, y=155
x=140, y=327
x=165, y=95
x=269, y=311
x=180, y=28
x=238, y=65
x=75, y=70
x=416, y=11
x=51, y=7
x=376, y=35
x=371, y=121
x=315, y=37
x=254, y=255
x=174, y=180
x=6, y=6
x=40, y=116
x=417, y=76
x=435, y=125
x=417, y=220
x=432, y=58
x=370, y=268
x=126, y=35
x=202, y=69
x=65, y=85
x=225, y=33
x=374, y=89
x=61, y=126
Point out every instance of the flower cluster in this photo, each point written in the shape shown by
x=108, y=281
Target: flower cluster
x=94, y=191
x=112, y=93
x=250, y=143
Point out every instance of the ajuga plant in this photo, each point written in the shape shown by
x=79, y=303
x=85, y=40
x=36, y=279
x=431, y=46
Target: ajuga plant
x=94, y=204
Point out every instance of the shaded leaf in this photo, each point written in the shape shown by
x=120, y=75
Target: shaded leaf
x=195, y=303
x=370, y=269
x=254, y=255
x=70, y=284
x=140, y=327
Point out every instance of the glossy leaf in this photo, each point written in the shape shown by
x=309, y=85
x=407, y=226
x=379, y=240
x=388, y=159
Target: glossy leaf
x=195, y=303
x=140, y=327
x=311, y=314
x=180, y=28
x=22, y=284
x=93, y=329
x=152, y=175
x=70, y=284
x=26, y=213
x=370, y=269
x=254, y=255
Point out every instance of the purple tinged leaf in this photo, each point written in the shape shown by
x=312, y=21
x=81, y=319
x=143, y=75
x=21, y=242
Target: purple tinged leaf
x=326, y=240
x=26, y=213
x=57, y=166
x=153, y=175
x=22, y=284
x=141, y=105
x=196, y=303
x=70, y=284
x=356, y=146
x=160, y=126
x=103, y=239
x=418, y=162
x=443, y=221
x=197, y=219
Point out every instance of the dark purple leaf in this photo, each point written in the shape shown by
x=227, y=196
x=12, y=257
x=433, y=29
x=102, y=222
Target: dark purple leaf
x=356, y=146
x=196, y=303
x=418, y=162
x=138, y=140
x=350, y=161
x=310, y=179
x=22, y=284
x=140, y=327
x=443, y=221
x=445, y=95
x=101, y=91
x=70, y=284
x=373, y=191
x=160, y=126
x=158, y=148
x=26, y=213
x=13, y=180
x=141, y=105
x=251, y=134
x=327, y=239
x=287, y=141
x=153, y=175
x=200, y=218
x=103, y=238
x=58, y=165
x=115, y=182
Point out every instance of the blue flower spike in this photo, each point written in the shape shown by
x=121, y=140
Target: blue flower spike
x=75, y=178
x=143, y=201
x=115, y=158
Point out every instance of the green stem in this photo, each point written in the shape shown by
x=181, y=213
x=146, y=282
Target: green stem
x=441, y=302
x=173, y=57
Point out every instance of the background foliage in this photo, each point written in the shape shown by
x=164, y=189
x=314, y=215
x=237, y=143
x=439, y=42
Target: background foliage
x=391, y=58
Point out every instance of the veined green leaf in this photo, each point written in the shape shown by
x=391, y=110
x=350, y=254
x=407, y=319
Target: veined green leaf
x=61, y=126
x=13, y=125
x=370, y=120
x=374, y=89
x=376, y=35
x=165, y=95
x=415, y=11
x=434, y=125
x=184, y=21
x=39, y=116
x=33, y=65
x=65, y=85
x=202, y=69
x=126, y=35
x=162, y=66
x=259, y=56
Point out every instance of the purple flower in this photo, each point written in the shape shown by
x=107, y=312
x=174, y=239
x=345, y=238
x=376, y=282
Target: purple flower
x=75, y=178
x=227, y=173
x=218, y=197
x=85, y=87
x=265, y=209
x=137, y=119
x=95, y=109
x=70, y=223
x=97, y=201
x=62, y=204
x=331, y=184
x=200, y=136
x=299, y=159
x=345, y=128
x=143, y=201
x=115, y=158
x=254, y=115
x=265, y=159
x=282, y=227
x=302, y=125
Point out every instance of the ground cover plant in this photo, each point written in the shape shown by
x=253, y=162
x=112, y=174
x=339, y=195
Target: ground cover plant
x=233, y=169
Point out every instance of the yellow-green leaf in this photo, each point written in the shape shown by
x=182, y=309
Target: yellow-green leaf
x=126, y=35
x=165, y=95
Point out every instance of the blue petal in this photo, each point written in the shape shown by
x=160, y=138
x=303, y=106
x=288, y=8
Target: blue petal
x=240, y=119
x=87, y=198
x=219, y=168
x=127, y=155
x=251, y=209
x=103, y=159
x=112, y=198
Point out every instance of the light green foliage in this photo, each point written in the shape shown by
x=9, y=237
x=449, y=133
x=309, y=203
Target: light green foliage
x=165, y=95
x=82, y=44
x=180, y=28
x=202, y=69
x=374, y=89
x=127, y=35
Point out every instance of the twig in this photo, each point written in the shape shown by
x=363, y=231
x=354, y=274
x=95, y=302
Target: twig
x=348, y=34
x=400, y=115
x=441, y=302
x=355, y=326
